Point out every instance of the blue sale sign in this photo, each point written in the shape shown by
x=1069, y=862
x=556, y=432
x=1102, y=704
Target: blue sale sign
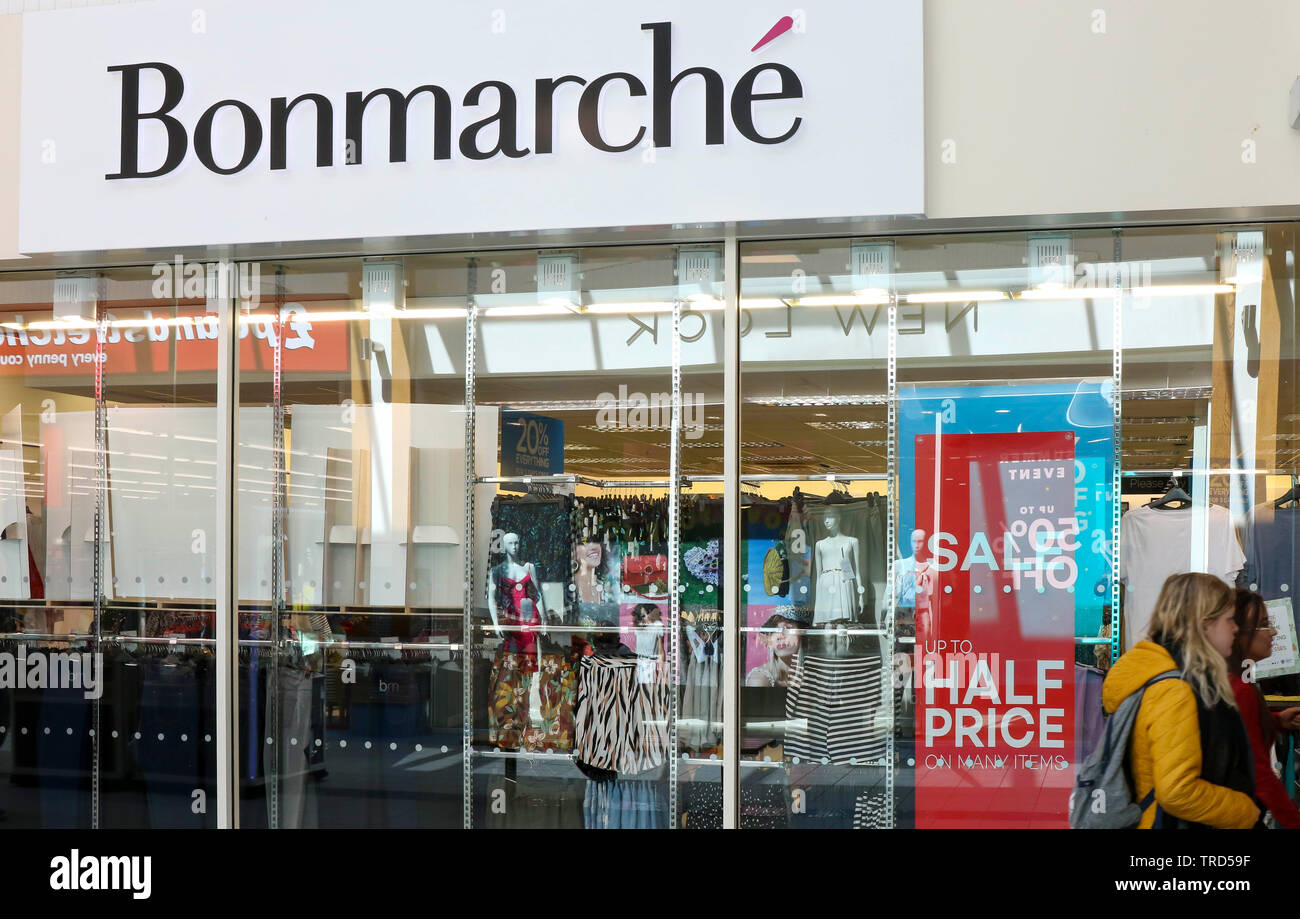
x=531, y=444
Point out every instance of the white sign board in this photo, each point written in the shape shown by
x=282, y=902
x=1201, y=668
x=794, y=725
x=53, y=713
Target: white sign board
x=1285, y=656
x=159, y=124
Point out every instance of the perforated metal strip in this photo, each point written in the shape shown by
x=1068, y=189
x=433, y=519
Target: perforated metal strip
x=467, y=621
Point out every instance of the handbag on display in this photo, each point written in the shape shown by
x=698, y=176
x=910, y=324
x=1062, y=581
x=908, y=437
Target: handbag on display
x=646, y=575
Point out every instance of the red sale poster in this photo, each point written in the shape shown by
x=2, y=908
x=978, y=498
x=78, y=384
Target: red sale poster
x=995, y=628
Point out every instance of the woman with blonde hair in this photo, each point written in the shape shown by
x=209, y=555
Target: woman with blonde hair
x=1189, y=758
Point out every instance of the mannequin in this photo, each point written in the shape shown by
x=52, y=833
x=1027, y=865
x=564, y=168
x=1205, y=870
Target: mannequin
x=914, y=582
x=515, y=598
x=839, y=589
x=517, y=608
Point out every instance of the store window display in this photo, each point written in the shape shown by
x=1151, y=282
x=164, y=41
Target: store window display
x=838, y=593
x=570, y=618
x=1163, y=538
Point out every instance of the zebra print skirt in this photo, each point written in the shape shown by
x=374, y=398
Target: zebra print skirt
x=622, y=722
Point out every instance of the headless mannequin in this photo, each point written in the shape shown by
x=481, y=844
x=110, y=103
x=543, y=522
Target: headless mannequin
x=516, y=571
x=830, y=553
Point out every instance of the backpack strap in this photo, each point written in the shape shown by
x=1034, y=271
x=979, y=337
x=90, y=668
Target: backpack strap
x=1167, y=675
x=1151, y=795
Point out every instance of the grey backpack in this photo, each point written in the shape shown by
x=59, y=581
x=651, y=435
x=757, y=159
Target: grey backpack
x=1103, y=797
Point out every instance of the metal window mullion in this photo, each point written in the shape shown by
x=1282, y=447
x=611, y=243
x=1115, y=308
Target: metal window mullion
x=731, y=643
x=273, y=731
x=227, y=595
x=887, y=665
x=101, y=527
x=674, y=560
x=1117, y=355
x=467, y=621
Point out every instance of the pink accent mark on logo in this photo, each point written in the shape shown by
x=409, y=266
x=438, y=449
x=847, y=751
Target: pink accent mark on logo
x=783, y=25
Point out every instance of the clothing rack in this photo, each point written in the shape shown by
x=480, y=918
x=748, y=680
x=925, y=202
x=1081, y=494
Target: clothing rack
x=578, y=479
x=688, y=760
x=757, y=629
x=1179, y=473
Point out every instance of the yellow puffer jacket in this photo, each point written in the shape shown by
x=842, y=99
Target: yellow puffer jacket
x=1165, y=749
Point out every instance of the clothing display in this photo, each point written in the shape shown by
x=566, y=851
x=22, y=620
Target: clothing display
x=545, y=525
x=622, y=723
x=511, y=726
x=799, y=540
x=1156, y=543
x=1271, y=541
x=914, y=583
x=836, y=593
x=865, y=520
x=700, y=803
x=833, y=703
x=516, y=600
x=699, y=718
x=636, y=804
x=169, y=749
x=871, y=811
x=766, y=806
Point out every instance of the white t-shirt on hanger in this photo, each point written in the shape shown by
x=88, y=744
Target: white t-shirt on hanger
x=1158, y=543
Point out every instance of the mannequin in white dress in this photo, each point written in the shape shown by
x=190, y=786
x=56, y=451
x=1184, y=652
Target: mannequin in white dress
x=839, y=590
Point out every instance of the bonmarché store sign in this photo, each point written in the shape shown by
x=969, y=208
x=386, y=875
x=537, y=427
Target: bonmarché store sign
x=161, y=125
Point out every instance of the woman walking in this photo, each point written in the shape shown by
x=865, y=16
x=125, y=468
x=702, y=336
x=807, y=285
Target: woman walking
x=1254, y=642
x=1189, y=757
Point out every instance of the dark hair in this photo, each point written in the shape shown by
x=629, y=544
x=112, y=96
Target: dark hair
x=1249, y=615
x=643, y=611
x=776, y=620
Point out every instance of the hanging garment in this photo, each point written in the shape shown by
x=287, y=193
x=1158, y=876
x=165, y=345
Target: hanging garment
x=701, y=804
x=1157, y=543
x=510, y=721
x=837, y=583
x=833, y=702
x=766, y=806
x=799, y=540
x=534, y=798
x=622, y=723
x=699, y=723
x=624, y=805
x=545, y=529
x=871, y=811
x=557, y=690
x=509, y=699
x=875, y=567
x=1272, y=546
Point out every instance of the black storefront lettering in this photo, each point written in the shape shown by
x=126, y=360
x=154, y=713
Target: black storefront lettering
x=664, y=84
